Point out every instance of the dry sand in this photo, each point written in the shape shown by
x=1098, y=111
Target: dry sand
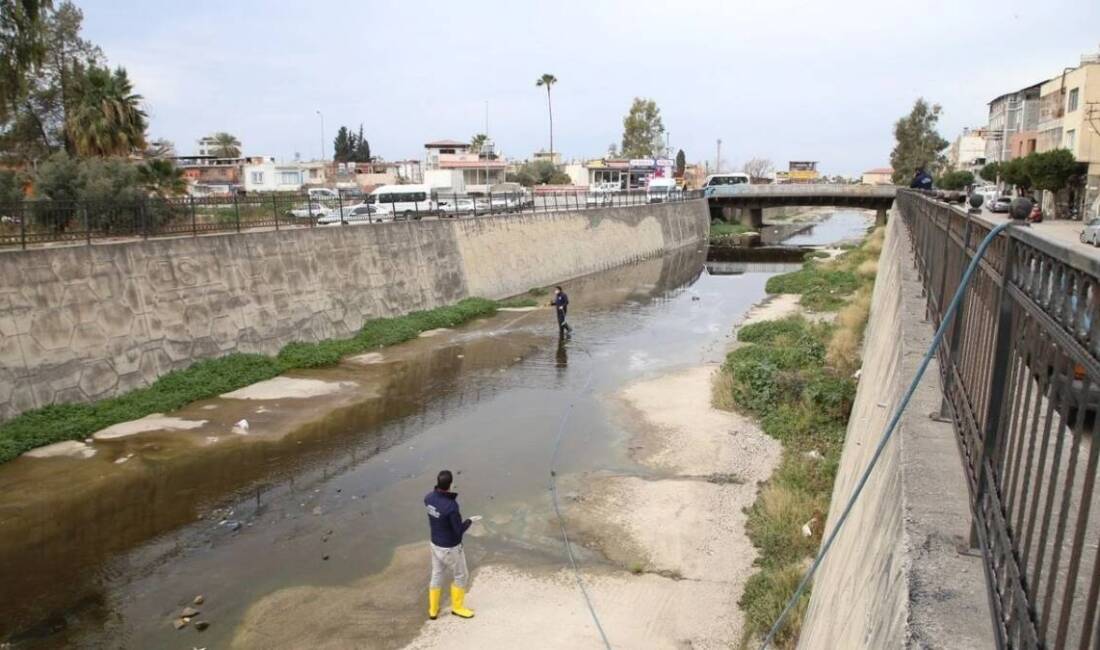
x=370, y=358
x=426, y=334
x=71, y=448
x=774, y=307
x=154, y=422
x=288, y=388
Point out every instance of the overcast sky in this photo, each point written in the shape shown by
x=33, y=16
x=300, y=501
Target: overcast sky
x=804, y=80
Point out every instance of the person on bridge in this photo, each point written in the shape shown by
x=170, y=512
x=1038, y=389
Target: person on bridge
x=560, y=302
x=447, y=527
x=922, y=180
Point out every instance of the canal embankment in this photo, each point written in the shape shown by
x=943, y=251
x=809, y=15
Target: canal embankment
x=83, y=323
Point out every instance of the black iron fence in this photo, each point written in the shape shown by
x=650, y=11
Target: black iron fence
x=1021, y=376
x=28, y=223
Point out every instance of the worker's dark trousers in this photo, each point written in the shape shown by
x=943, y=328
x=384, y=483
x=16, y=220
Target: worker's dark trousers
x=563, y=326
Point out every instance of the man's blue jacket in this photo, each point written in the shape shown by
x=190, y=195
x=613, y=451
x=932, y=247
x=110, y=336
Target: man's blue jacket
x=444, y=519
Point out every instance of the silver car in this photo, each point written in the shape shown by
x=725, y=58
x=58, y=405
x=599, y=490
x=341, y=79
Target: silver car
x=1091, y=233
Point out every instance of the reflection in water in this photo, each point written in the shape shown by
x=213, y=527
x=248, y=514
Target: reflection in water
x=562, y=356
x=740, y=268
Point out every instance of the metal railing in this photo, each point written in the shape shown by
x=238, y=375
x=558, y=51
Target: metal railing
x=41, y=222
x=1021, y=378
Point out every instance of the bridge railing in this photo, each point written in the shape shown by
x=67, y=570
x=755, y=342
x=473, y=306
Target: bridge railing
x=1020, y=368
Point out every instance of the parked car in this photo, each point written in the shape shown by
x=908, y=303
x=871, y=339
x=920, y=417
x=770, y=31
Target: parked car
x=312, y=210
x=1001, y=204
x=660, y=190
x=357, y=214
x=1091, y=233
x=455, y=207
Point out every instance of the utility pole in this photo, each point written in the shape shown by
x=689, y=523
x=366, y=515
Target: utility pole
x=718, y=158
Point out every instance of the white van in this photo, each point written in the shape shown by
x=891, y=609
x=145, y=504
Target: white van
x=715, y=180
x=660, y=190
x=404, y=201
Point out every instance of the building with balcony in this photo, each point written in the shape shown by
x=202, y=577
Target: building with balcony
x=968, y=151
x=450, y=166
x=1013, y=129
x=1070, y=119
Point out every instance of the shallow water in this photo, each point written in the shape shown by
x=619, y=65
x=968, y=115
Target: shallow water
x=102, y=553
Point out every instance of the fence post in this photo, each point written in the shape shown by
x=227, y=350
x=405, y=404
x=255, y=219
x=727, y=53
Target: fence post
x=237, y=212
x=340, y=206
x=999, y=387
x=275, y=209
x=956, y=326
x=194, y=228
x=489, y=192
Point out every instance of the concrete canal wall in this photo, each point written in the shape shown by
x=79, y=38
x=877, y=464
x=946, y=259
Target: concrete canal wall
x=85, y=322
x=895, y=577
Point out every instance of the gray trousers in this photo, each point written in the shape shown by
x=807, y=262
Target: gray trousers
x=453, y=559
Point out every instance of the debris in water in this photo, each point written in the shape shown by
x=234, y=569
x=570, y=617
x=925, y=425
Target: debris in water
x=198, y=600
x=241, y=427
x=122, y=459
x=201, y=625
x=324, y=557
x=179, y=623
x=189, y=612
x=318, y=511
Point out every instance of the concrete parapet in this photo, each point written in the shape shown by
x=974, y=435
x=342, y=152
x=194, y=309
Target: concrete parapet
x=895, y=576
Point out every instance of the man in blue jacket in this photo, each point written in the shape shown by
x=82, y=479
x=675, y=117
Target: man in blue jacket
x=922, y=180
x=447, y=527
x=560, y=303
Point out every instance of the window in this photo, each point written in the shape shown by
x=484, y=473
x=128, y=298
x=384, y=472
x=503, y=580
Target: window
x=290, y=178
x=1071, y=139
x=257, y=178
x=1071, y=103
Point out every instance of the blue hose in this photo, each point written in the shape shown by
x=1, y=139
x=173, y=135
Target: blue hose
x=936, y=340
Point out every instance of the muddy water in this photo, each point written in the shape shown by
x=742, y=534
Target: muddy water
x=104, y=551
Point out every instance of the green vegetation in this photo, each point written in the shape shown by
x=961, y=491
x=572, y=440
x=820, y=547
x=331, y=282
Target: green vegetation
x=643, y=130
x=212, y=377
x=721, y=228
x=796, y=377
x=826, y=285
x=539, y=172
x=918, y=145
x=955, y=180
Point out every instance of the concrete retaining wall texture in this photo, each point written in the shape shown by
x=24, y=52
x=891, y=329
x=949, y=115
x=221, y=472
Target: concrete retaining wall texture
x=894, y=577
x=86, y=322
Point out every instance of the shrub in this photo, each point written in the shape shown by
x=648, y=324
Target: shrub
x=766, y=594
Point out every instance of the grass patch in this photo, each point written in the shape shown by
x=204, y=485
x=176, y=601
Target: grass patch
x=820, y=255
x=796, y=377
x=723, y=229
x=212, y=377
x=519, y=301
x=826, y=285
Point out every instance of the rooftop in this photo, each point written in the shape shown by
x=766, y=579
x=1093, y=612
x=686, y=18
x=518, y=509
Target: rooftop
x=446, y=143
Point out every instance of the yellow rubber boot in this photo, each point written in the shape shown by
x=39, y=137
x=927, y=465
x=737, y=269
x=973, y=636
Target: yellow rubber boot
x=434, y=596
x=458, y=607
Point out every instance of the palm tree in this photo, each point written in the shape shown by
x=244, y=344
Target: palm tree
x=549, y=80
x=477, y=142
x=107, y=119
x=162, y=178
x=226, y=145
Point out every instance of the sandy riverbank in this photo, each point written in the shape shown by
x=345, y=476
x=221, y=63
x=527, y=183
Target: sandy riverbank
x=673, y=553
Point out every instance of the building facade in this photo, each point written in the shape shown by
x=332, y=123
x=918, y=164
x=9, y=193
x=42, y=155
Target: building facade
x=968, y=151
x=1070, y=119
x=450, y=166
x=1013, y=129
x=878, y=176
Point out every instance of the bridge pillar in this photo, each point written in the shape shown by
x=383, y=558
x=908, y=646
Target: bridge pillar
x=880, y=217
x=755, y=217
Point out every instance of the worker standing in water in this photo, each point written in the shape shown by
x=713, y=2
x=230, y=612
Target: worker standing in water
x=447, y=527
x=560, y=303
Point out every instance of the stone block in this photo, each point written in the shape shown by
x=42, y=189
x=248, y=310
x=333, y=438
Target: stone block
x=97, y=379
x=52, y=329
x=88, y=339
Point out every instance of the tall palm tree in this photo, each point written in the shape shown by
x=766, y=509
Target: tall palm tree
x=549, y=80
x=226, y=145
x=477, y=142
x=107, y=119
x=162, y=178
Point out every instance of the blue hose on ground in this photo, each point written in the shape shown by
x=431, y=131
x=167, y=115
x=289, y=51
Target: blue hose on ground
x=936, y=340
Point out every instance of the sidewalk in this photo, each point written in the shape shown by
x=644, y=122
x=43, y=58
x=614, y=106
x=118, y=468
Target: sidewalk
x=1063, y=232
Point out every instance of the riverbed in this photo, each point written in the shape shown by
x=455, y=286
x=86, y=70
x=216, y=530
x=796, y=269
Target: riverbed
x=104, y=545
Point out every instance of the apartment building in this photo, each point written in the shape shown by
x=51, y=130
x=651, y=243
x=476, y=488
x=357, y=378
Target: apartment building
x=1070, y=119
x=968, y=151
x=1013, y=129
x=450, y=166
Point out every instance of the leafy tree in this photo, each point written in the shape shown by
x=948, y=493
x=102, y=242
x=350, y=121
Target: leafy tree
x=22, y=47
x=539, y=172
x=918, y=144
x=642, y=129
x=1051, y=170
x=360, y=148
x=162, y=178
x=759, y=168
x=58, y=178
x=955, y=180
x=341, y=145
x=1014, y=172
x=989, y=171
x=226, y=145
x=11, y=187
x=548, y=80
x=107, y=119
x=681, y=163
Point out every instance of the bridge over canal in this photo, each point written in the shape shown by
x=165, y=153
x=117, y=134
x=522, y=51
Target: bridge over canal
x=750, y=200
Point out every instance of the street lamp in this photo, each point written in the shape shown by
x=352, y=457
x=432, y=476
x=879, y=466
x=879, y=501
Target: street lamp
x=322, y=116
